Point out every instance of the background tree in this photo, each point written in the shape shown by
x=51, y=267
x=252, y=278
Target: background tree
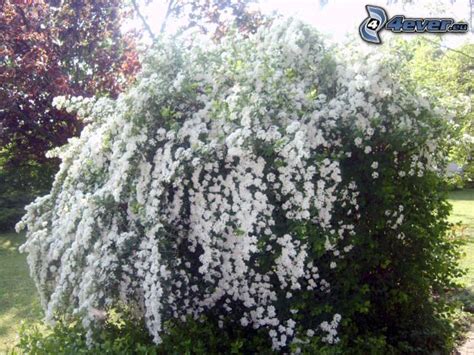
x=445, y=75
x=216, y=17
x=56, y=48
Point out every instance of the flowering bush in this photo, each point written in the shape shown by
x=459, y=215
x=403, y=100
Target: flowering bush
x=266, y=183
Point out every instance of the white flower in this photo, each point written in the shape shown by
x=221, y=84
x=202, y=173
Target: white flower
x=293, y=127
x=59, y=102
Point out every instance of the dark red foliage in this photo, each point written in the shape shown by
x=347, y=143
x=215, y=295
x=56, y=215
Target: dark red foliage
x=52, y=48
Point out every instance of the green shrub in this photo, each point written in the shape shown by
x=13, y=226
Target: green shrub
x=19, y=186
x=455, y=182
x=288, y=194
x=129, y=336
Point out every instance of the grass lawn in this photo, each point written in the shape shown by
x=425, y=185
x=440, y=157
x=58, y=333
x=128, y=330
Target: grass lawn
x=18, y=299
x=463, y=211
x=19, y=302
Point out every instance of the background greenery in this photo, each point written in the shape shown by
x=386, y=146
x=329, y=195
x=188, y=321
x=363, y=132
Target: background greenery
x=463, y=210
x=19, y=185
x=446, y=77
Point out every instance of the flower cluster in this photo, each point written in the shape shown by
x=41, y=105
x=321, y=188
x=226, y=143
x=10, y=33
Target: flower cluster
x=213, y=184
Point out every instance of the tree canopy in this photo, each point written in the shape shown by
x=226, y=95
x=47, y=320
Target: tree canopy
x=52, y=48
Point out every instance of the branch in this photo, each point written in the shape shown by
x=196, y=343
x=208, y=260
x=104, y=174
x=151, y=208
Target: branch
x=448, y=48
x=168, y=12
x=145, y=24
x=23, y=17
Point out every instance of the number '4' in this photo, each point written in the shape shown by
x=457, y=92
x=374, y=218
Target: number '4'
x=373, y=24
x=395, y=24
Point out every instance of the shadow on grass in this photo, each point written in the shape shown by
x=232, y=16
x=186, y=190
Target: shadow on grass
x=462, y=195
x=18, y=297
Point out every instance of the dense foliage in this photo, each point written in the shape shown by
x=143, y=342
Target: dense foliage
x=51, y=48
x=265, y=184
x=129, y=336
x=20, y=186
x=446, y=76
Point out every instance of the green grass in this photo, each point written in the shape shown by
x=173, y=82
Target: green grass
x=19, y=301
x=463, y=211
x=18, y=297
